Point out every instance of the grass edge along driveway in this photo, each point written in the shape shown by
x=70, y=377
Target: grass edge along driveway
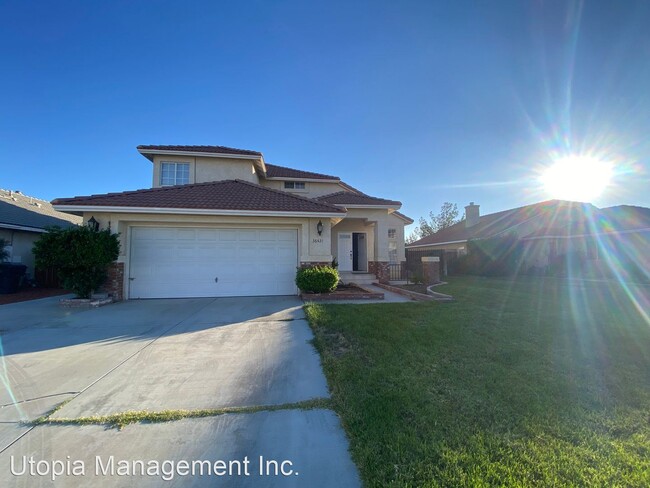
x=533, y=382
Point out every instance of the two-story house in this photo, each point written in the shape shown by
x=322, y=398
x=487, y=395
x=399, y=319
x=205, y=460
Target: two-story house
x=220, y=221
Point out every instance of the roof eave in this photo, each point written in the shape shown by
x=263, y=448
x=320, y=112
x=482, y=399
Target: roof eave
x=403, y=217
x=292, y=178
x=26, y=228
x=149, y=153
x=350, y=205
x=411, y=246
x=195, y=211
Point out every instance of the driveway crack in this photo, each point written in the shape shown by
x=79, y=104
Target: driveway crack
x=39, y=398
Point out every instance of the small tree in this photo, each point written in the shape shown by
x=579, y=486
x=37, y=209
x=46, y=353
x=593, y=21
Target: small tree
x=447, y=217
x=4, y=254
x=80, y=256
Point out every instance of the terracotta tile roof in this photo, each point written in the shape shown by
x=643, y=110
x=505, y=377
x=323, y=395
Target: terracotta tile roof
x=217, y=195
x=405, y=217
x=273, y=171
x=348, y=198
x=26, y=211
x=200, y=149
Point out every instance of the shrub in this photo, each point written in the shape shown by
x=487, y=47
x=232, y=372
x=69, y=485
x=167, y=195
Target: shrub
x=317, y=279
x=80, y=256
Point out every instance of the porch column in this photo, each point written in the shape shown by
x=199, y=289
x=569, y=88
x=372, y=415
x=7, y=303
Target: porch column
x=380, y=264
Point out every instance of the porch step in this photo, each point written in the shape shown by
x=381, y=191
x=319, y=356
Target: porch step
x=358, y=278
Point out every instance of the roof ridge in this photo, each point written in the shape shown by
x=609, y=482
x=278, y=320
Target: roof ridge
x=280, y=192
x=331, y=194
x=353, y=188
x=301, y=170
x=143, y=190
x=63, y=201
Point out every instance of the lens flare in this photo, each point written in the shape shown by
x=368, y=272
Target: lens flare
x=578, y=178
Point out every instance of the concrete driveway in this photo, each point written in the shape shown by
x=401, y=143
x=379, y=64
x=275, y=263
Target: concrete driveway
x=166, y=355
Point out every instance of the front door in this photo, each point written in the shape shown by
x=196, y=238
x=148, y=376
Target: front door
x=345, y=251
x=359, y=252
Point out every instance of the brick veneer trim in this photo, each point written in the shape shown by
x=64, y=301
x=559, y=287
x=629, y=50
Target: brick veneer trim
x=380, y=269
x=114, y=284
x=431, y=271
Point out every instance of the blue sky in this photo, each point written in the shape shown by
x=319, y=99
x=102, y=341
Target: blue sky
x=424, y=102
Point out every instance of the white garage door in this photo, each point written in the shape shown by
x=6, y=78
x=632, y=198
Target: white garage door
x=206, y=262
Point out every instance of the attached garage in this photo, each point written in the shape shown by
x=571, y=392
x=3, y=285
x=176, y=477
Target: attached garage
x=175, y=262
x=221, y=238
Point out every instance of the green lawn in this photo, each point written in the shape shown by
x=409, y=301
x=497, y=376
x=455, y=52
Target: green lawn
x=532, y=382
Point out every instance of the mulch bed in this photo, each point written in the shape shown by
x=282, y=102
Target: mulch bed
x=344, y=292
x=31, y=294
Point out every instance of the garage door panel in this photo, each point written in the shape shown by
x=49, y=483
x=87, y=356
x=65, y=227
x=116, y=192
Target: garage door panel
x=247, y=235
x=268, y=235
x=228, y=235
x=184, y=262
x=207, y=234
x=286, y=235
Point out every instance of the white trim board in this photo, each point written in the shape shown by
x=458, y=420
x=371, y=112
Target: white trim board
x=191, y=211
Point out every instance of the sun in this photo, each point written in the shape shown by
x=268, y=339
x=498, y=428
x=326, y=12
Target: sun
x=577, y=178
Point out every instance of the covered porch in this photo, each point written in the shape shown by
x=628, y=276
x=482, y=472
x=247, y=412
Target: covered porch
x=360, y=246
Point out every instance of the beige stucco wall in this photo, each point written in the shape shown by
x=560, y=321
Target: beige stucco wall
x=312, y=189
x=209, y=169
x=20, y=247
x=398, y=224
x=311, y=246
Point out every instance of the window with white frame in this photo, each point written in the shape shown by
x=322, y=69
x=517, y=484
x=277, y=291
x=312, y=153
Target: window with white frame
x=174, y=174
x=392, y=233
x=392, y=251
x=294, y=185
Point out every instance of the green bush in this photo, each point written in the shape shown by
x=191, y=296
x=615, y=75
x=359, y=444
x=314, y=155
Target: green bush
x=80, y=256
x=317, y=279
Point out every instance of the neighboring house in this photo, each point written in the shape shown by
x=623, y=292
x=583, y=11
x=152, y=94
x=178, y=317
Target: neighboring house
x=553, y=229
x=23, y=219
x=220, y=221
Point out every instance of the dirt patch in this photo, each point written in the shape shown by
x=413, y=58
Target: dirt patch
x=31, y=294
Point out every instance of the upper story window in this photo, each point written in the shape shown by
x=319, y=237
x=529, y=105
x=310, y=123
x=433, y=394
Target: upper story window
x=174, y=174
x=392, y=233
x=294, y=185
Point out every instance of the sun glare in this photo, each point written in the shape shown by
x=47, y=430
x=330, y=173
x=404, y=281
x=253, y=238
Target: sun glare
x=577, y=178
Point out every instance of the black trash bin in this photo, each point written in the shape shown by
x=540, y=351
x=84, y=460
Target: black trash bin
x=10, y=274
